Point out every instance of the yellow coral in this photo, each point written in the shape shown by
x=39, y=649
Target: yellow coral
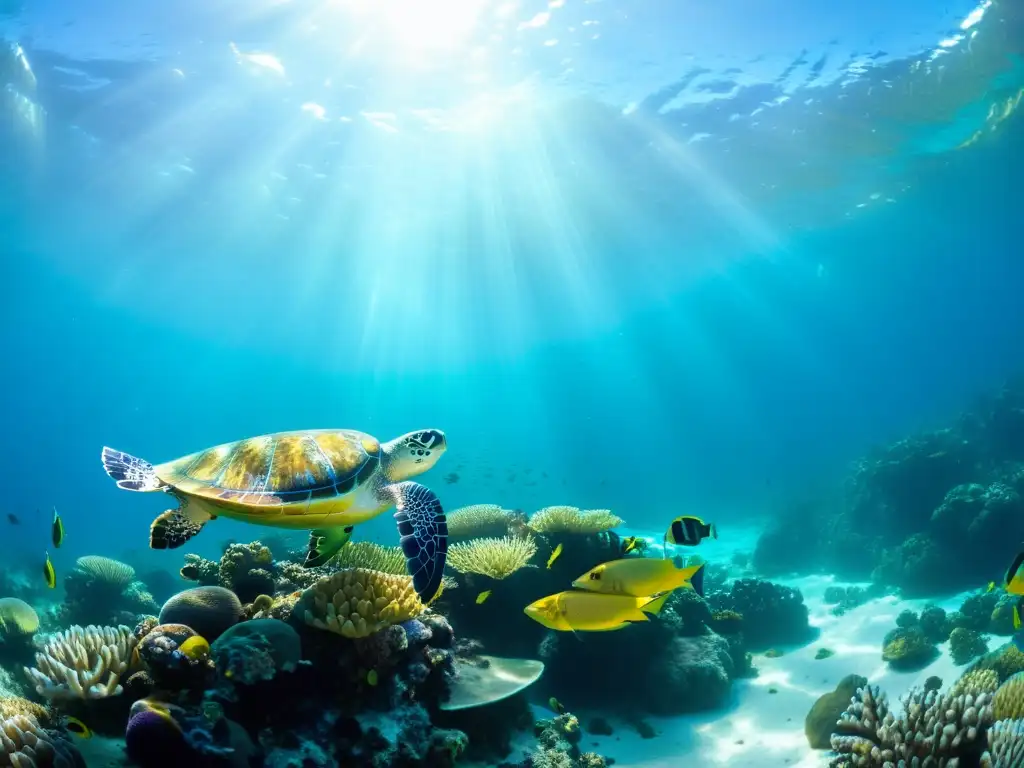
x=372, y=557
x=573, y=520
x=975, y=682
x=1005, y=661
x=479, y=520
x=1008, y=703
x=17, y=618
x=356, y=602
x=497, y=558
x=12, y=706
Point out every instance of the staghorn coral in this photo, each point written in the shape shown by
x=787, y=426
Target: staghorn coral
x=84, y=663
x=1008, y=703
x=18, y=619
x=23, y=743
x=480, y=520
x=1005, y=744
x=372, y=557
x=113, y=574
x=497, y=558
x=934, y=729
x=357, y=602
x=572, y=520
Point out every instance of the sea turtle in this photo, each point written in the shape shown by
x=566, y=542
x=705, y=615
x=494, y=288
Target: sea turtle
x=327, y=480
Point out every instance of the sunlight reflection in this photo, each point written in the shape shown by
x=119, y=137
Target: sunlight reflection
x=414, y=24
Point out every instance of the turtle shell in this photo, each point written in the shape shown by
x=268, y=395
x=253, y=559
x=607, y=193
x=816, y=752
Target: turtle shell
x=280, y=469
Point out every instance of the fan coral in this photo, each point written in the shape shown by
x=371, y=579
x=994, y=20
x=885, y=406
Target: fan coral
x=479, y=520
x=497, y=558
x=111, y=573
x=25, y=744
x=572, y=520
x=372, y=557
x=357, y=602
x=208, y=610
x=940, y=727
x=18, y=619
x=84, y=663
x=1006, y=744
x=1008, y=703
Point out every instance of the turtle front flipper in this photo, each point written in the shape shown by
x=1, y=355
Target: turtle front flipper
x=324, y=543
x=174, y=527
x=424, y=535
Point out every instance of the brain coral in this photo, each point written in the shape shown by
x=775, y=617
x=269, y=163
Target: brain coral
x=357, y=602
x=17, y=618
x=210, y=611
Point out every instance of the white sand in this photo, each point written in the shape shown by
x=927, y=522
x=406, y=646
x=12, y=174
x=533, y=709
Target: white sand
x=761, y=729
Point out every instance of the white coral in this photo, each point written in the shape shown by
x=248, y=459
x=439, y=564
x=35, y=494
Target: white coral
x=83, y=663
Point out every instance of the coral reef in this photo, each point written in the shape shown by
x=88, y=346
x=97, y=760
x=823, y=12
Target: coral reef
x=357, y=602
x=1006, y=744
x=165, y=650
x=966, y=644
x=100, y=590
x=210, y=611
x=484, y=520
x=85, y=663
x=772, y=614
x=932, y=725
x=257, y=650
x=23, y=743
x=495, y=558
x=1008, y=703
x=908, y=649
x=554, y=520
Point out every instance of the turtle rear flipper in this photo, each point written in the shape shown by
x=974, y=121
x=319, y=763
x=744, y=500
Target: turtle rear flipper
x=324, y=543
x=424, y=535
x=130, y=472
x=174, y=527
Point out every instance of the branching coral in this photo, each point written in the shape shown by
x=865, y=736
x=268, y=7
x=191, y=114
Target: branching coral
x=112, y=574
x=84, y=663
x=357, y=602
x=25, y=744
x=1005, y=744
x=497, y=558
x=480, y=520
x=572, y=520
x=940, y=727
x=373, y=557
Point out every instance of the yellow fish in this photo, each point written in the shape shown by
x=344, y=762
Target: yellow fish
x=483, y=596
x=195, y=648
x=48, y=573
x=641, y=576
x=554, y=555
x=372, y=677
x=689, y=531
x=990, y=587
x=1016, y=618
x=592, y=611
x=1013, y=582
x=632, y=542
x=77, y=727
x=57, y=530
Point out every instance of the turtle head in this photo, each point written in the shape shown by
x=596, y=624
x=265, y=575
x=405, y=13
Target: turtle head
x=414, y=453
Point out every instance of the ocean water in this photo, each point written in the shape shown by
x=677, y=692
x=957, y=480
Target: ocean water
x=662, y=258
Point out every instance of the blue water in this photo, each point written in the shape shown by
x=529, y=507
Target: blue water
x=684, y=258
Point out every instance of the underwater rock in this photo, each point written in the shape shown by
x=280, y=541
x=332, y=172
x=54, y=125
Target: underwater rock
x=966, y=644
x=821, y=719
x=772, y=614
x=907, y=649
x=210, y=611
